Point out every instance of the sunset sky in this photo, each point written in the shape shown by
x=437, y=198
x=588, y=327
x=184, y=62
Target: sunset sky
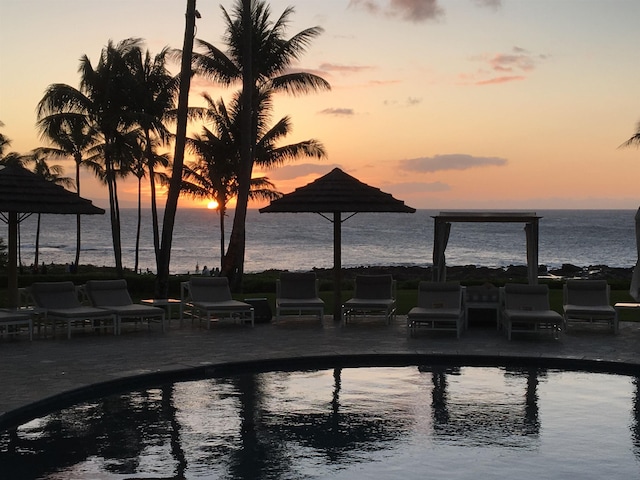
x=446, y=104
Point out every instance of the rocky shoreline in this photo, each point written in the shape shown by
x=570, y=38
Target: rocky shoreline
x=473, y=273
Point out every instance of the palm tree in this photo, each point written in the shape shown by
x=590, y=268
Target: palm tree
x=139, y=168
x=72, y=136
x=214, y=174
x=261, y=57
x=175, y=183
x=154, y=96
x=104, y=102
x=635, y=138
x=51, y=173
x=4, y=142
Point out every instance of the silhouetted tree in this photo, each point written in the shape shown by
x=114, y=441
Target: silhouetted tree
x=261, y=57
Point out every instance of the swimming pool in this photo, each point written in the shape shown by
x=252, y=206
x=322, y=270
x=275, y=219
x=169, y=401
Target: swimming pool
x=345, y=423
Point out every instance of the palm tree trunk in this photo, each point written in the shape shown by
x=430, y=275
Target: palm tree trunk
x=118, y=230
x=154, y=203
x=135, y=268
x=19, y=246
x=162, y=277
x=233, y=264
x=115, y=218
x=78, y=159
x=154, y=214
x=36, y=261
x=222, y=210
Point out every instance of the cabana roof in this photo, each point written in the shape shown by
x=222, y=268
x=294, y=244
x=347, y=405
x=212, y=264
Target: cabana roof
x=22, y=191
x=337, y=191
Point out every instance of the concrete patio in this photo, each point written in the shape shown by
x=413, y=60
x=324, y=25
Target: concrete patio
x=51, y=372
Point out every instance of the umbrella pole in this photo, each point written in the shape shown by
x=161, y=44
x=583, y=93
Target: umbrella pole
x=12, y=266
x=337, y=267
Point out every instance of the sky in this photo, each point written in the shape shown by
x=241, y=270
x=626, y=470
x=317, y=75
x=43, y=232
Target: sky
x=446, y=104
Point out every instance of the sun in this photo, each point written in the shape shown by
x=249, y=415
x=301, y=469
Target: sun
x=212, y=205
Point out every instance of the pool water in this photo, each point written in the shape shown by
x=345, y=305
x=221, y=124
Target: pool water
x=351, y=423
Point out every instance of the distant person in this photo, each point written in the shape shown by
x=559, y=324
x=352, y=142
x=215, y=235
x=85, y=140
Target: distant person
x=197, y=269
x=216, y=272
x=205, y=271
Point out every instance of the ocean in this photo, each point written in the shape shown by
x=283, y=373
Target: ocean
x=302, y=241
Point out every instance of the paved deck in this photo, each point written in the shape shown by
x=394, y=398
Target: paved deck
x=54, y=370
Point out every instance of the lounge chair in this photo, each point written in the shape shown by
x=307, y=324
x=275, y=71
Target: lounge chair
x=298, y=292
x=60, y=303
x=587, y=301
x=439, y=307
x=525, y=308
x=114, y=296
x=373, y=294
x=12, y=320
x=205, y=298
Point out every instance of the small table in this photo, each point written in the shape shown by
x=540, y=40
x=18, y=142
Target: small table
x=625, y=306
x=261, y=309
x=481, y=298
x=165, y=303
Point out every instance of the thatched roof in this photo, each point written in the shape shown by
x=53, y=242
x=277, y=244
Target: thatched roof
x=22, y=191
x=337, y=191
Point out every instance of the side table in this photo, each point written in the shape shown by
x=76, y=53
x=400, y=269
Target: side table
x=624, y=306
x=165, y=303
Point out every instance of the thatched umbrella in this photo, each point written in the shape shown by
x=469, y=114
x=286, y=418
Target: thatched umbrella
x=22, y=193
x=337, y=192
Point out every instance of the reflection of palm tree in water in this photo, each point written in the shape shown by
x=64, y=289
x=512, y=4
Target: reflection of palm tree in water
x=335, y=400
x=531, y=420
x=439, y=397
x=169, y=412
x=635, y=424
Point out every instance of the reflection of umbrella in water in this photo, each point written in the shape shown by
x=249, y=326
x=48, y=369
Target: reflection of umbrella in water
x=22, y=193
x=336, y=433
x=634, y=291
x=337, y=192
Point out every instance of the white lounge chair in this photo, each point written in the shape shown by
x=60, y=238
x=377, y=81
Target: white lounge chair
x=373, y=294
x=114, y=296
x=587, y=301
x=60, y=303
x=525, y=308
x=298, y=292
x=205, y=298
x=439, y=307
x=12, y=320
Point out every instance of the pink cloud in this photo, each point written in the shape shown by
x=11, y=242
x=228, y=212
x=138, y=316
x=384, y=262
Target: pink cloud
x=332, y=67
x=503, y=67
x=497, y=80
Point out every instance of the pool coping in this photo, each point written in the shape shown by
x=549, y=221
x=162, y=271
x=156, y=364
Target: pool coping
x=14, y=418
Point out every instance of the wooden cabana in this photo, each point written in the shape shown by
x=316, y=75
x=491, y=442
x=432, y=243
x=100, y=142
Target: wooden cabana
x=442, y=229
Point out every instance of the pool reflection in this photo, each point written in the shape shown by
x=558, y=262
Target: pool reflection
x=289, y=424
x=495, y=408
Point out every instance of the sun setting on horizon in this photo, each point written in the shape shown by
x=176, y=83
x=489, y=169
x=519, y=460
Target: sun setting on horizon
x=445, y=104
x=212, y=205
